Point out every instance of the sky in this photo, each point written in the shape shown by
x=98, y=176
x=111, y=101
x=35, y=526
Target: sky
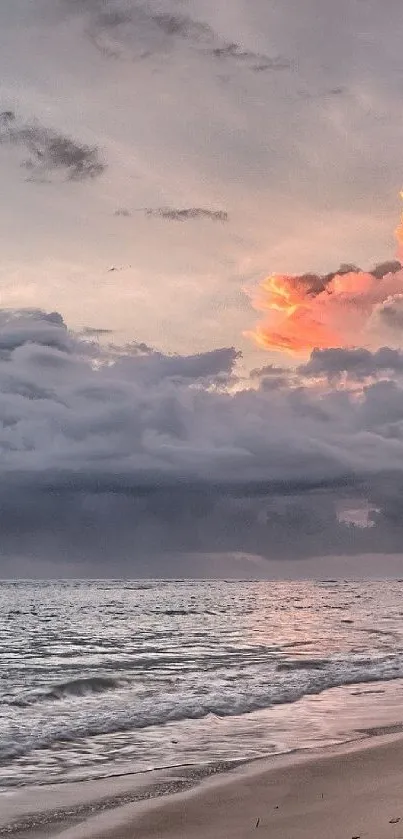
x=201, y=291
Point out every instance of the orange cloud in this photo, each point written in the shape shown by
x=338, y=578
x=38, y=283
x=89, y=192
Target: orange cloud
x=294, y=323
x=336, y=309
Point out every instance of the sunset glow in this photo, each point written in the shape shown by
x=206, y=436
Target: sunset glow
x=314, y=311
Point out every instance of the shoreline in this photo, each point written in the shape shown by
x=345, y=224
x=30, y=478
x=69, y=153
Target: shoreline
x=354, y=791
x=86, y=807
x=44, y=811
x=23, y=811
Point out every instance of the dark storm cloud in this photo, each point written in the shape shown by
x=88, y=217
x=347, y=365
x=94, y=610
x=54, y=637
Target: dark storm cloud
x=187, y=214
x=118, y=452
x=49, y=152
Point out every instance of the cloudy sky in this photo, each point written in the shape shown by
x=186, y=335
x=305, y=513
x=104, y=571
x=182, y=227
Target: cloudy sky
x=201, y=292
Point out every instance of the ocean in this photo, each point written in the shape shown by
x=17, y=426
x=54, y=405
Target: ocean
x=104, y=678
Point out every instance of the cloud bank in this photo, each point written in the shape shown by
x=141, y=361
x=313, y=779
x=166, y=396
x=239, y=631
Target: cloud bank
x=124, y=452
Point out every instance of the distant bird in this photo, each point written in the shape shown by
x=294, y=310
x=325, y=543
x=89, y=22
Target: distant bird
x=118, y=268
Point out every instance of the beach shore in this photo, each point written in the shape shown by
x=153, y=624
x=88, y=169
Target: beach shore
x=350, y=791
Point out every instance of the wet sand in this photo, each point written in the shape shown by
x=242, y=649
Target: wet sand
x=345, y=792
x=47, y=810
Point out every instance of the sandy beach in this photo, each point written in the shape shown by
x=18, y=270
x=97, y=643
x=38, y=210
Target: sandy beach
x=349, y=793
x=345, y=792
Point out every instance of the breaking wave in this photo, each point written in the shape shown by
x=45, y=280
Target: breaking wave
x=119, y=708
x=81, y=687
x=72, y=688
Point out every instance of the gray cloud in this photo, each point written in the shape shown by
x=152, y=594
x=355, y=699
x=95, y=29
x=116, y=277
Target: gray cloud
x=274, y=377
x=96, y=332
x=138, y=30
x=107, y=448
x=258, y=61
x=384, y=268
x=323, y=94
x=32, y=326
x=274, y=383
x=111, y=18
x=183, y=26
x=153, y=366
x=122, y=211
x=187, y=214
x=390, y=313
x=50, y=153
x=268, y=370
x=358, y=363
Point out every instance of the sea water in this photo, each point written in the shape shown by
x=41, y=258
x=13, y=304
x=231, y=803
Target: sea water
x=108, y=677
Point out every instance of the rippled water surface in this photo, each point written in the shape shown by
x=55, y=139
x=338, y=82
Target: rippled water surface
x=99, y=678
